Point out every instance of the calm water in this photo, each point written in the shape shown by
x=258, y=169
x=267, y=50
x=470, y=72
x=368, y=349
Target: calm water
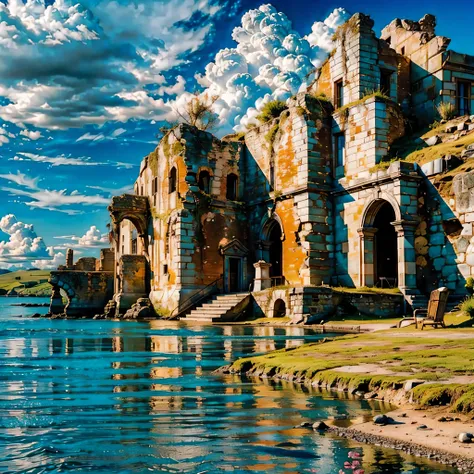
x=129, y=397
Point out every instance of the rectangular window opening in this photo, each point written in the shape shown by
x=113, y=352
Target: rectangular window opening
x=385, y=81
x=338, y=94
x=463, y=92
x=340, y=149
x=165, y=269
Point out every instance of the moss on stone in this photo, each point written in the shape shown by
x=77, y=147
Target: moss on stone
x=369, y=95
x=177, y=148
x=271, y=134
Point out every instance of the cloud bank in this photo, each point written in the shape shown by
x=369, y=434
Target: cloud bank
x=24, y=248
x=271, y=61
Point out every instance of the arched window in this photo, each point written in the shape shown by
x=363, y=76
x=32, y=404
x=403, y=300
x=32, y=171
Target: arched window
x=172, y=180
x=232, y=187
x=204, y=181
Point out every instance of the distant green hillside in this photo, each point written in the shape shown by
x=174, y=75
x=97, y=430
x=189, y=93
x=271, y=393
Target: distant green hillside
x=26, y=282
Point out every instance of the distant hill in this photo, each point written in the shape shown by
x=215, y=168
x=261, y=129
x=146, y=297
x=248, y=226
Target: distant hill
x=26, y=282
x=4, y=270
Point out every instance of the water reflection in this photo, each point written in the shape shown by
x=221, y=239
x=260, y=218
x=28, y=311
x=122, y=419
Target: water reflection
x=105, y=396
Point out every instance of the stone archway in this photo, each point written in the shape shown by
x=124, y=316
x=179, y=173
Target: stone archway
x=271, y=242
x=386, y=246
x=57, y=306
x=279, y=308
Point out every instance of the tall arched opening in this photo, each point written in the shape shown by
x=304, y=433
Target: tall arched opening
x=385, y=251
x=379, y=245
x=272, y=245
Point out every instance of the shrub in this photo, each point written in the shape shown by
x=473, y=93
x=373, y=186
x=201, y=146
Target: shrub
x=467, y=306
x=271, y=110
x=469, y=285
x=446, y=110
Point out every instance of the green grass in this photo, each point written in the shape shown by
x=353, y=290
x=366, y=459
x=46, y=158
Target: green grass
x=427, y=358
x=367, y=289
x=9, y=281
x=425, y=155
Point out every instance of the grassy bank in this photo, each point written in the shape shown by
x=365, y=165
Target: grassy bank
x=26, y=282
x=381, y=361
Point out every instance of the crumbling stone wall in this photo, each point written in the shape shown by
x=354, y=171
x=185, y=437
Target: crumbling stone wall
x=87, y=285
x=445, y=236
x=433, y=69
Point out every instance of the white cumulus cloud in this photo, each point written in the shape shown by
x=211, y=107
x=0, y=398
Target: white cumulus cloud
x=24, y=248
x=270, y=61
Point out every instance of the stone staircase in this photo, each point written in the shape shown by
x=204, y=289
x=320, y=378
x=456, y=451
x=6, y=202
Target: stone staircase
x=220, y=309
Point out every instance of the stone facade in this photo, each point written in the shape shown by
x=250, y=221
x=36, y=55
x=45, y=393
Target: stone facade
x=301, y=202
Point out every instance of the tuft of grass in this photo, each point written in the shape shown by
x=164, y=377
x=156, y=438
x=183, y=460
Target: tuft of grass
x=272, y=133
x=369, y=95
x=467, y=306
x=446, y=110
x=271, y=110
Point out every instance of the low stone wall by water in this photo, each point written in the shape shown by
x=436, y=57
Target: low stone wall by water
x=312, y=304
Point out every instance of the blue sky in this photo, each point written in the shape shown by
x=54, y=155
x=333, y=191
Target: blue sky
x=85, y=85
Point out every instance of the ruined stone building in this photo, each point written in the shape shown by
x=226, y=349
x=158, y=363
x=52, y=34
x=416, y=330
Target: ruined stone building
x=315, y=198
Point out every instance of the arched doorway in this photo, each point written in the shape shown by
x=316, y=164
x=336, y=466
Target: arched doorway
x=385, y=247
x=279, y=309
x=273, y=248
x=379, y=245
x=276, y=251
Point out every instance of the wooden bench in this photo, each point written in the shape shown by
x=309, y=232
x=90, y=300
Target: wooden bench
x=434, y=314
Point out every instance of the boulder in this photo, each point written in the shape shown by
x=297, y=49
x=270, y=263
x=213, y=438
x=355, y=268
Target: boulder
x=382, y=420
x=411, y=384
x=140, y=310
x=465, y=437
x=434, y=140
x=320, y=426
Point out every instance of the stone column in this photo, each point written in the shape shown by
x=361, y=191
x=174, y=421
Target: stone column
x=367, y=253
x=69, y=259
x=56, y=306
x=262, y=276
x=406, y=254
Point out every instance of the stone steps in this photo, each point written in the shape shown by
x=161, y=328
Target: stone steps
x=221, y=308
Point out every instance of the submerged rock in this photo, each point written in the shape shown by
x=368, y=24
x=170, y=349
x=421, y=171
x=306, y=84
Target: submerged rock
x=320, y=426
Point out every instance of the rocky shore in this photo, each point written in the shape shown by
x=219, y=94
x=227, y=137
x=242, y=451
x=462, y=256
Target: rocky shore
x=464, y=464
x=429, y=433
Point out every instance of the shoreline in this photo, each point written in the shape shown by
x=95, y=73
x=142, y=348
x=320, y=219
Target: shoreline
x=434, y=443
x=416, y=431
x=438, y=442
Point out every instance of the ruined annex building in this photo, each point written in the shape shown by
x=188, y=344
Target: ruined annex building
x=327, y=195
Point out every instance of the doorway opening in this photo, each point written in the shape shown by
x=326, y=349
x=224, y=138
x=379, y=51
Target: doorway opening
x=279, y=309
x=235, y=269
x=385, y=251
x=276, y=251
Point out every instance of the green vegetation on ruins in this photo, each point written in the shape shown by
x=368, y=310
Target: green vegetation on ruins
x=271, y=110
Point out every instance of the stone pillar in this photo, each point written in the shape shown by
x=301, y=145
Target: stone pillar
x=262, y=276
x=406, y=254
x=69, y=259
x=56, y=306
x=367, y=251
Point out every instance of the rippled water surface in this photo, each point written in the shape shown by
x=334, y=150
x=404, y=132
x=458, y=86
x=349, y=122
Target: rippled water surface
x=133, y=397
